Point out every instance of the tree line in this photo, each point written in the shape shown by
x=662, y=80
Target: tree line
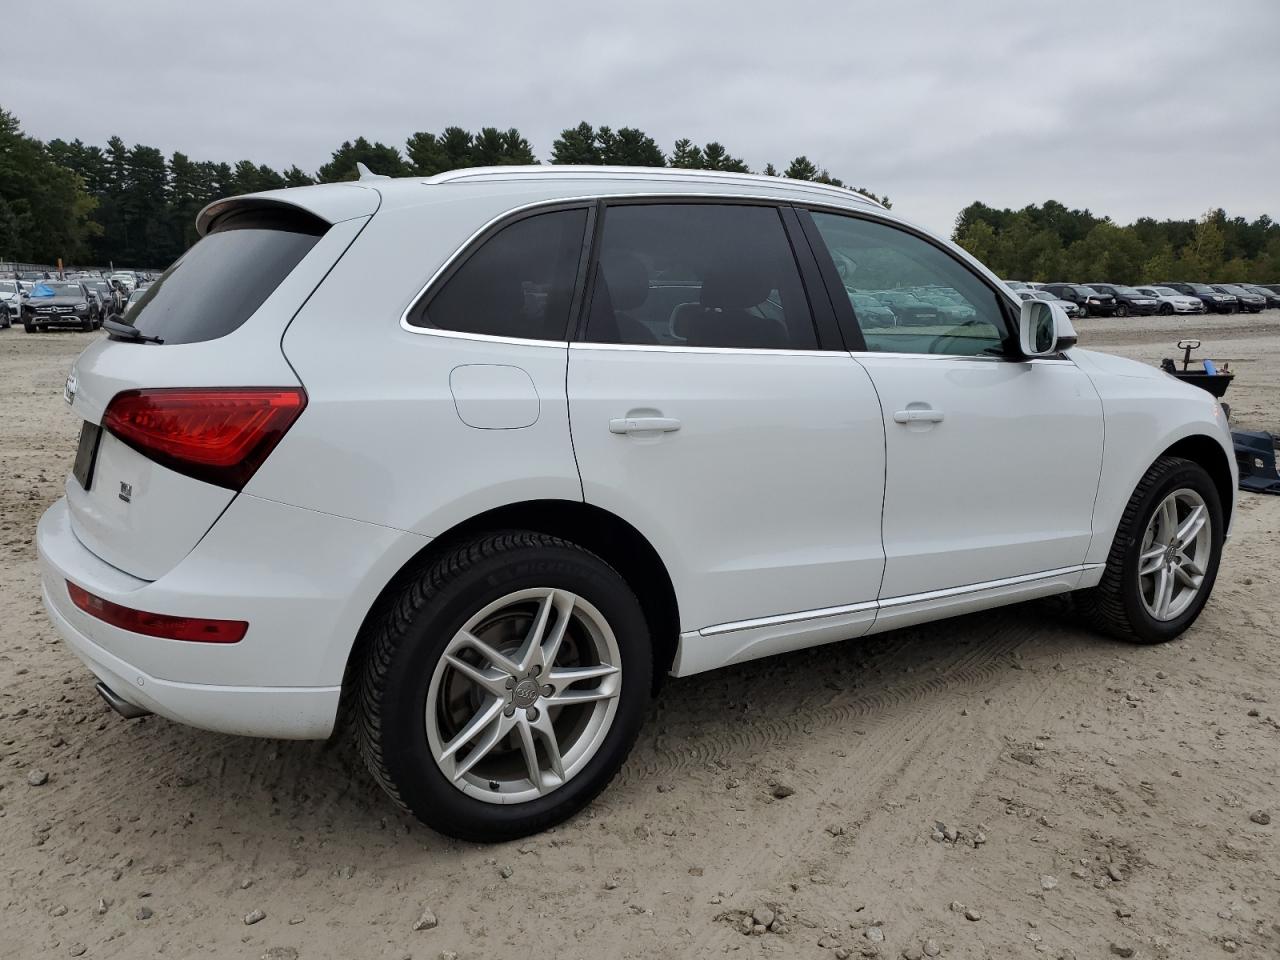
x=1051, y=242
x=135, y=206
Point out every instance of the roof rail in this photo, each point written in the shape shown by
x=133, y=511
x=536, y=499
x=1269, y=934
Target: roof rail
x=571, y=170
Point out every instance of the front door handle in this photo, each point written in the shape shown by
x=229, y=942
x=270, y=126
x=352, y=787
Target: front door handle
x=644, y=425
x=918, y=416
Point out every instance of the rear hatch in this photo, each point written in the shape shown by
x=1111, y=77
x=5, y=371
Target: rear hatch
x=182, y=402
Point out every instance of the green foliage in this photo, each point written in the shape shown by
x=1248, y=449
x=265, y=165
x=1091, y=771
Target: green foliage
x=133, y=207
x=1052, y=242
x=378, y=157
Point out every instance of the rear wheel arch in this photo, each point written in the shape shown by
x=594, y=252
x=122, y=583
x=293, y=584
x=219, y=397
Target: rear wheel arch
x=605, y=534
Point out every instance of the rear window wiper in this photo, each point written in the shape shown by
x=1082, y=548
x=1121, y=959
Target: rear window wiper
x=123, y=331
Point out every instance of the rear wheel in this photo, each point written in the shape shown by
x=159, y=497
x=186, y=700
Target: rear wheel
x=1164, y=559
x=505, y=686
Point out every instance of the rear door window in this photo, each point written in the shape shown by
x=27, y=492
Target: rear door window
x=715, y=275
x=219, y=283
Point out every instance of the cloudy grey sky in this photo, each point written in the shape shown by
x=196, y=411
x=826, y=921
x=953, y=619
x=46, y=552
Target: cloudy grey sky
x=1127, y=107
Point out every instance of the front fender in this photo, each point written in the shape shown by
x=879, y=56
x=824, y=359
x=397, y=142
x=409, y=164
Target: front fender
x=1146, y=413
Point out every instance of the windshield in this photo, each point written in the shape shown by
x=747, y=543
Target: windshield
x=1201, y=288
x=1087, y=292
x=8, y=286
x=1127, y=291
x=1166, y=291
x=56, y=290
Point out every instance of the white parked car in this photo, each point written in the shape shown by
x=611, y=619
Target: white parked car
x=592, y=426
x=1169, y=300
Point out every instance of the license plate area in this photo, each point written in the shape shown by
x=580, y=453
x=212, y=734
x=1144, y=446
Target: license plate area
x=87, y=453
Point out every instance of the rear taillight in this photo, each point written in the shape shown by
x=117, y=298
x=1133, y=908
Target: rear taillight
x=194, y=629
x=217, y=434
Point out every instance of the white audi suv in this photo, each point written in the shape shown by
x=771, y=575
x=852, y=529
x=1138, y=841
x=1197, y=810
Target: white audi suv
x=583, y=428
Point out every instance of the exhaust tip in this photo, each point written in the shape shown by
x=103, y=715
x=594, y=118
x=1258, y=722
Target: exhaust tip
x=130, y=711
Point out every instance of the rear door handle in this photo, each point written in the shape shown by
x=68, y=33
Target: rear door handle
x=918, y=416
x=644, y=425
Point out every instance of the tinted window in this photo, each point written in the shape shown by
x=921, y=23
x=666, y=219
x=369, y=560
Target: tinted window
x=934, y=304
x=519, y=283
x=698, y=275
x=218, y=284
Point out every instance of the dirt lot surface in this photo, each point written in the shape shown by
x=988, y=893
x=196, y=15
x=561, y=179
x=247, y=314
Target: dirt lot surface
x=1106, y=800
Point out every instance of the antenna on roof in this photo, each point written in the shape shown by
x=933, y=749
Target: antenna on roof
x=367, y=174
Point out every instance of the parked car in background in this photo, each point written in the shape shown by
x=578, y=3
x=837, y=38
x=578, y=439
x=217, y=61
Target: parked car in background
x=1128, y=299
x=1273, y=287
x=1092, y=303
x=1272, y=297
x=108, y=296
x=1068, y=307
x=1247, y=299
x=60, y=303
x=871, y=311
x=1213, y=300
x=1016, y=285
x=909, y=309
x=127, y=279
x=11, y=297
x=1169, y=300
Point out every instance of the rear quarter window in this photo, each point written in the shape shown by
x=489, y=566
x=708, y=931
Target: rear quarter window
x=219, y=283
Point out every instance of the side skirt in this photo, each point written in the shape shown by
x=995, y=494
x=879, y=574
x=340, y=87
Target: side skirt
x=728, y=643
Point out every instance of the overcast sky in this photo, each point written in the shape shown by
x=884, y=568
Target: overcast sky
x=1128, y=108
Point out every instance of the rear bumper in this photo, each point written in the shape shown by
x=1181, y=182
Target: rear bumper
x=303, y=580
x=294, y=713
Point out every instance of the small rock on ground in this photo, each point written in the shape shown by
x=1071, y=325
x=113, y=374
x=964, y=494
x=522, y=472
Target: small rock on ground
x=37, y=778
x=427, y=920
x=1260, y=817
x=1120, y=951
x=253, y=916
x=782, y=790
x=280, y=953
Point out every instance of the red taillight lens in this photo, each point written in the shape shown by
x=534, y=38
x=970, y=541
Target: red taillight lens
x=157, y=624
x=217, y=434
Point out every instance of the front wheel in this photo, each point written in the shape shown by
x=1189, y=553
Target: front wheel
x=505, y=686
x=1166, y=309
x=1164, y=558
x=1122, y=310
x=1084, y=311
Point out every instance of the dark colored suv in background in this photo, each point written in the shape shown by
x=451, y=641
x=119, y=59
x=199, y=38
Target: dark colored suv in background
x=1212, y=299
x=1092, y=303
x=1253, y=302
x=1128, y=300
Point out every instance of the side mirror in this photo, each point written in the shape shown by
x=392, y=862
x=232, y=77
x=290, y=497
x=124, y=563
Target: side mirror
x=1043, y=329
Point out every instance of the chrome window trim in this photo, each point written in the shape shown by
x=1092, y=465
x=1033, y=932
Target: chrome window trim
x=676, y=348
x=568, y=202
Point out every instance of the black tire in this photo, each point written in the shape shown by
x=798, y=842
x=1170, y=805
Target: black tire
x=1115, y=605
x=86, y=325
x=1122, y=310
x=1084, y=311
x=407, y=641
x=1166, y=309
x=28, y=327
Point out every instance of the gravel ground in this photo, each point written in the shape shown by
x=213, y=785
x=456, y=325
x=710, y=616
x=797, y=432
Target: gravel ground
x=1000, y=785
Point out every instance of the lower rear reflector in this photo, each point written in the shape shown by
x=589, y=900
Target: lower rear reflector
x=193, y=629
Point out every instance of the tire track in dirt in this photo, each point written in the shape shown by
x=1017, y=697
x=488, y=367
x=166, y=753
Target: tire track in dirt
x=971, y=666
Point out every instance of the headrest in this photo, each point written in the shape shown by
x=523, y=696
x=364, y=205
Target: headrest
x=627, y=279
x=735, y=286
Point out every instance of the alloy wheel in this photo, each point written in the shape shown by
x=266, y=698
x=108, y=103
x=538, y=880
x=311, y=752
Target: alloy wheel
x=523, y=696
x=1175, y=554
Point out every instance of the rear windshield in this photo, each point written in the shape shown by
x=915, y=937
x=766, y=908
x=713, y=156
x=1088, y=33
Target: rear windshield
x=218, y=284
